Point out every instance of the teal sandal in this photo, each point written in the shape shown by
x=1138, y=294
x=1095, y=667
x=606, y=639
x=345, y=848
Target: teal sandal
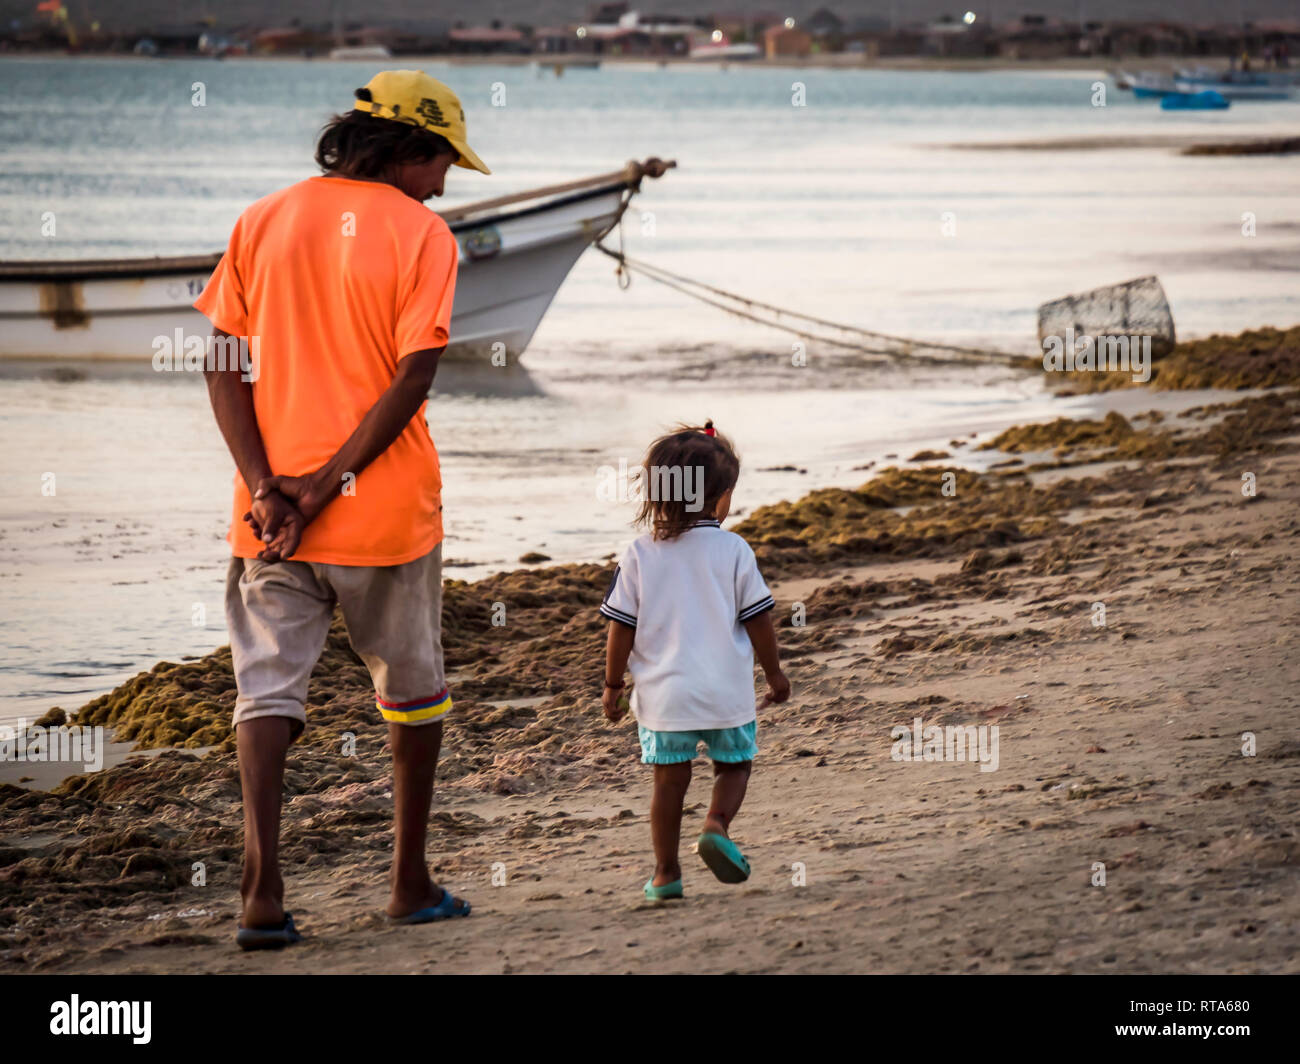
x=668, y=892
x=723, y=858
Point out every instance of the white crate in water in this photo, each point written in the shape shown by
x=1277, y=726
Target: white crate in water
x=1134, y=308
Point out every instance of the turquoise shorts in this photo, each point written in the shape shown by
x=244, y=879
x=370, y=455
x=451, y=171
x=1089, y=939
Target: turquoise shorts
x=721, y=744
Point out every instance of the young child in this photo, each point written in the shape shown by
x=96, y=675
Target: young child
x=688, y=609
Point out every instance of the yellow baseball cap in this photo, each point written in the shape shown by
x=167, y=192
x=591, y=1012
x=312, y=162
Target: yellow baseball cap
x=411, y=96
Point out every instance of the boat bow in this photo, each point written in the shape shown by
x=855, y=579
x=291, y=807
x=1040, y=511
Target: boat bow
x=515, y=252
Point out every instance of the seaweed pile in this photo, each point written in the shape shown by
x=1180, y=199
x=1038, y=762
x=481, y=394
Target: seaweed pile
x=135, y=833
x=1262, y=146
x=1257, y=358
x=1248, y=426
x=1064, y=435
x=903, y=513
x=532, y=654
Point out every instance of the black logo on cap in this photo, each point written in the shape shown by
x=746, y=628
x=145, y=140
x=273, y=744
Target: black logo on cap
x=431, y=112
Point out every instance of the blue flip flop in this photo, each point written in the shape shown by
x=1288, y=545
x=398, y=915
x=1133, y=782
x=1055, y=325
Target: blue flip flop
x=723, y=857
x=268, y=937
x=668, y=892
x=444, y=910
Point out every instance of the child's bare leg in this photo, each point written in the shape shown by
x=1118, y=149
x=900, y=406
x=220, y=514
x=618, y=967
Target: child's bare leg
x=730, y=778
x=671, y=783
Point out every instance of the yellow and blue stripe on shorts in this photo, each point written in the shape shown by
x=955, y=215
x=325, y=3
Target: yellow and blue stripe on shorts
x=417, y=712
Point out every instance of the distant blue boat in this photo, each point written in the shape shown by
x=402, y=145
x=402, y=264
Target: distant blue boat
x=1209, y=100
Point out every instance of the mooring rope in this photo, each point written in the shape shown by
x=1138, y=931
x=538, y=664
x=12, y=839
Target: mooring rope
x=694, y=289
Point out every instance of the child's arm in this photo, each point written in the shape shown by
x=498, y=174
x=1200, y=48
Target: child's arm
x=763, y=635
x=618, y=645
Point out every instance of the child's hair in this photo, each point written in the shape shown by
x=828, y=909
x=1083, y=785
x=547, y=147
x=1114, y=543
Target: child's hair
x=686, y=472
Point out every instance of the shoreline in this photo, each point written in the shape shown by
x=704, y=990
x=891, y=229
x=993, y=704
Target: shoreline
x=1123, y=400
x=1100, y=393
x=575, y=63
x=1186, y=143
x=1121, y=742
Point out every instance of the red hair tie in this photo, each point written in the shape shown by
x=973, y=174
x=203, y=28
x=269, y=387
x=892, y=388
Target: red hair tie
x=708, y=429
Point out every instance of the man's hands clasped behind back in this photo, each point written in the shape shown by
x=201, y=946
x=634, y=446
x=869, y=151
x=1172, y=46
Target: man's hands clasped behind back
x=282, y=509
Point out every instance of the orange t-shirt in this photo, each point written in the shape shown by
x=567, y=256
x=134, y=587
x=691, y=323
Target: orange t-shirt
x=334, y=281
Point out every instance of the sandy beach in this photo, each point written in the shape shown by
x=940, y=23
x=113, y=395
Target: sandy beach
x=932, y=593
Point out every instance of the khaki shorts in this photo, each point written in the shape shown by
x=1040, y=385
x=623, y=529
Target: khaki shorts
x=279, y=614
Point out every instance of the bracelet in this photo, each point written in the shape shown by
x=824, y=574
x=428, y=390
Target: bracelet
x=615, y=686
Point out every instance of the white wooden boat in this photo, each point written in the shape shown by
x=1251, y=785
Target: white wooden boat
x=515, y=252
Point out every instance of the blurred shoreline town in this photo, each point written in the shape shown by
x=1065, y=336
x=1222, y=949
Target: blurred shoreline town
x=615, y=32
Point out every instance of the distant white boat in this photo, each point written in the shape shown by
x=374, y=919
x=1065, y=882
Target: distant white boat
x=361, y=51
x=1244, y=77
x=515, y=252
x=1230, y=84
x=718, y=46
x=1146, y=84
x=723, y=51
x=1239, y=84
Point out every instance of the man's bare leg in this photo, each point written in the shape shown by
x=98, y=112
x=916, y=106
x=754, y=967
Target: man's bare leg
x=262, y=744
x=415, y=762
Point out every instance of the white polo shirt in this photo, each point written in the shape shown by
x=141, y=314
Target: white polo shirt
x=688, y=598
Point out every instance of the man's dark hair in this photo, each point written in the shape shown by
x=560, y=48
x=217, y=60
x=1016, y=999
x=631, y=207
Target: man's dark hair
x=358, y=144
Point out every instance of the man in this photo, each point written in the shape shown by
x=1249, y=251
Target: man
x=342, y=286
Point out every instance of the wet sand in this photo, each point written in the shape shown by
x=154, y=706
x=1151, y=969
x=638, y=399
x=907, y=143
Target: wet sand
x=1120, y=745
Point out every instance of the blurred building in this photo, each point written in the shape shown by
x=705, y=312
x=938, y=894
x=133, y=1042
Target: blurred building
x=554, y=40
x=633, y=34
x=288, y=40
x=785, y=41
x=481, y=40
x=745, y=26
x=826, y=28
x=955, y=38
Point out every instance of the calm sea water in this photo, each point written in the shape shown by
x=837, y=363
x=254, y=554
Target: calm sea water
x=835, y=207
